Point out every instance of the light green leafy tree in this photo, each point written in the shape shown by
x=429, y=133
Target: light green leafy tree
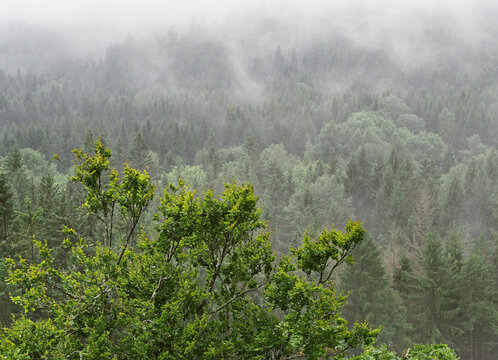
x=206, y=286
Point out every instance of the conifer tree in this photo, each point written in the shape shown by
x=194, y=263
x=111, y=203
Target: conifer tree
x=371, y=296
x=481, y=310
x=52, y=217
x=6, y=210
x=452, y=307
x=139, y=153
x=405, y=282
x=436, y=300
x=27, y=225
x=358, y=184
x=451, y=211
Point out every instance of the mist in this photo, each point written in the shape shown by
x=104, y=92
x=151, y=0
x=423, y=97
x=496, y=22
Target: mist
x=411, y=33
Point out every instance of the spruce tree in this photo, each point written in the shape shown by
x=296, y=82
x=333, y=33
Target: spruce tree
x=481, y=310
x=139, y=153
x=452, y=307
x=6, y=210
x=431, y=292
x=371, y=295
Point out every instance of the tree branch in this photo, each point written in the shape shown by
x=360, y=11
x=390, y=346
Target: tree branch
x=55, y=286
x=344, y=256
x=235, y=297
x=161, y=279
x=135, y=222
x=217, y=269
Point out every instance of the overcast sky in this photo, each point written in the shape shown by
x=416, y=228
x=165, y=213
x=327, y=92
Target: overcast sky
x=92, y=24
x=132, y=14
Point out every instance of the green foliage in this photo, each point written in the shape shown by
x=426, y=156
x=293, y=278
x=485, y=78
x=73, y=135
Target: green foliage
x=418, y=352
x=204, y=287
x=431, y=352
x=6, y=209
x=371, y=296
x=104, y=190
x=480, y=308
x=195, y=175
x=330, y=250
x=416, y=158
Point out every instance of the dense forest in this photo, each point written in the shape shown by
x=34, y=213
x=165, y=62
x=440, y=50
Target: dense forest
x=324, y=131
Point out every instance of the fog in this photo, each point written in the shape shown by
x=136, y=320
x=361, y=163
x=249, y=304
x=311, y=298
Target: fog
x=409, y=30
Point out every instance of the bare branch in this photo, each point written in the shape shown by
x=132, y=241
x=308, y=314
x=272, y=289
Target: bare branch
x=161, y=279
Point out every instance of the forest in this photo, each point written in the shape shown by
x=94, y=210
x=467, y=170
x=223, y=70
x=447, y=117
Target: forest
x=294, y=202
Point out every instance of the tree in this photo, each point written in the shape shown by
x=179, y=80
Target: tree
x=358, y=183
x=139, y=153
x=106, y=192
x=206, y=286
x=422, y=221
x=448, y=127
x=432, y=288
x=480, y=309
x=17, y=176
x=452, y=308
x=451, y=209
x=437, y=299
x=418, y=352
x=14, y=160
x=371, y=296
x=406, y=285
x=6, y=207
x=27, y=228
x=49, y=199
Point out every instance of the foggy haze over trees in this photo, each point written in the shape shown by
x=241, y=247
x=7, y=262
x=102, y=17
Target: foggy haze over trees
x=332, y=111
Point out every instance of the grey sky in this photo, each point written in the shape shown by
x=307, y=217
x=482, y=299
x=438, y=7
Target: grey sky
x=90, y=25
x=128, y=15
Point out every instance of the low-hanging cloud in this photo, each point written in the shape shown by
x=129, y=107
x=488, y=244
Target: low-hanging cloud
x=410, y=31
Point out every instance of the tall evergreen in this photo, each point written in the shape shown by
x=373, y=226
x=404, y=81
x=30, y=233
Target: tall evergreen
x=53, y=215
x=371, y=295
x=430, y=294
x=358, y=184
x=139, y=156
x=451, y=207
x=6, y=211
x=481, y=310
x=452, y=307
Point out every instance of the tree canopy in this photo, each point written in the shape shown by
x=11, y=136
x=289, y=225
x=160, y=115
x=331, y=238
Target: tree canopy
x=204, y=285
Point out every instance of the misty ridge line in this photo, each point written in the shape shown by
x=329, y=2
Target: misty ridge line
x=366, y=44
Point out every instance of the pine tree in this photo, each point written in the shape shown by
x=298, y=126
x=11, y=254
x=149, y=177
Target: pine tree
x=52, y=217
x=358, y=184
x=17, y=176
x=431, y=291
x=139, y=153
x=423, y=219
x=274, y=197
x=406, y=285
x=6, y=210
x=451, y=212
x=14, y=160
x=371, y=295
x=452, y=307
x=27, y=223
x=481, y=310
